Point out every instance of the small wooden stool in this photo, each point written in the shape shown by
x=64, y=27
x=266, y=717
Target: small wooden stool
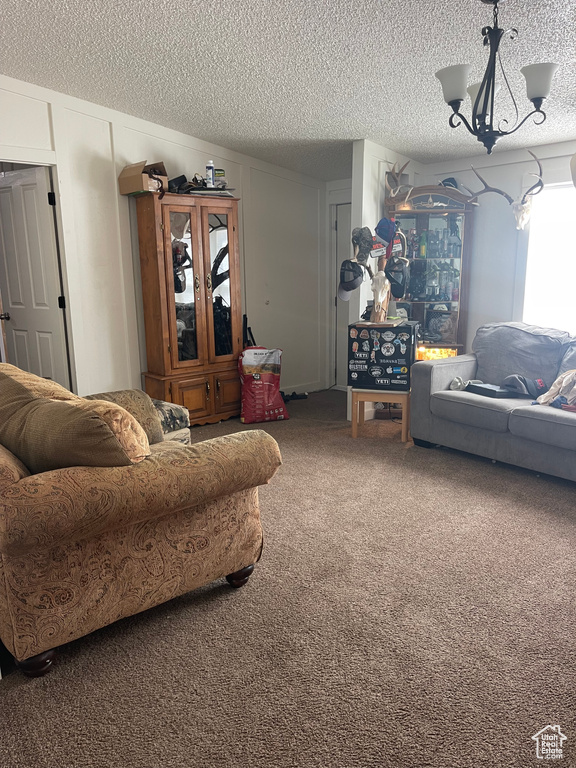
x=361, y=396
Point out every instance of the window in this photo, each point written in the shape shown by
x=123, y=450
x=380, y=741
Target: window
x=549, y=297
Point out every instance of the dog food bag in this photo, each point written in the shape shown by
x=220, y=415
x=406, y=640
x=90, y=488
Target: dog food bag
x=259, y=370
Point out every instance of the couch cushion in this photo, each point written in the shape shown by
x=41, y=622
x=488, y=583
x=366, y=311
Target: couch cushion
x=36, y=384
x=473, y=410
x=503, y=349
x=140, y=405
x=125, y=427
x=545, y=424
x=568, y=362
x=11, y=469
x=50, y=434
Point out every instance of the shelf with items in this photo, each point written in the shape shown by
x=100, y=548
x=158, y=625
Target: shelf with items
x=437, y=224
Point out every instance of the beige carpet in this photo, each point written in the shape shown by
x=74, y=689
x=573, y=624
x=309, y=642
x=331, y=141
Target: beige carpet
x=413, y=608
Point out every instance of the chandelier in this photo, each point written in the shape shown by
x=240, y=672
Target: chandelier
x=454, y=79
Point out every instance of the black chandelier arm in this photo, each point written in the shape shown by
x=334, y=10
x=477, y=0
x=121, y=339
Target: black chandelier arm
x=537, y=111
x=456, y=118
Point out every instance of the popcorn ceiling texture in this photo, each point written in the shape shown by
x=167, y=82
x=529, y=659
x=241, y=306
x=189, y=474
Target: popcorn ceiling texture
x=292, y=83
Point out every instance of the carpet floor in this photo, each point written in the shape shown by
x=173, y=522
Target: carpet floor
x=413, y=608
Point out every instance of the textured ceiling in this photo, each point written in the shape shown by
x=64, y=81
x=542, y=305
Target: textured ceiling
x=291, y=82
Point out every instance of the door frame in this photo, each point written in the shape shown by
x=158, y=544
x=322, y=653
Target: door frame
x=335, y=198
x=54, y=189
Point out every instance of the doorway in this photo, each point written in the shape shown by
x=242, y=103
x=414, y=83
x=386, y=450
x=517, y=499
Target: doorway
x=33, y=310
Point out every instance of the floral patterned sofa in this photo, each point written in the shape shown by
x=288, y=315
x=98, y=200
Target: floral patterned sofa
x=101, y=518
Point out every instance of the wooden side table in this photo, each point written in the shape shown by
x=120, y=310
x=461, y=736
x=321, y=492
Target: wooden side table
x=361, y=396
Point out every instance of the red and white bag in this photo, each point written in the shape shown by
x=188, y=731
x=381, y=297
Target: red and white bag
x=259, y=370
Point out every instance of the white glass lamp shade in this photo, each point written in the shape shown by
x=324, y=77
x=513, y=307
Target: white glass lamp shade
x=473, y=91
x=538, y=79
x=453, y=80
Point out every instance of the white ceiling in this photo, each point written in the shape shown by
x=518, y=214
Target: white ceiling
x=293, y=82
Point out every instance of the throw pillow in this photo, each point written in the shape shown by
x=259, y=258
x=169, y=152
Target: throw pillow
x=50, y=434
x=37, y=385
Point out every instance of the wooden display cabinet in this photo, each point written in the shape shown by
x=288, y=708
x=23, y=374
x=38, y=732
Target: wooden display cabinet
x=437, y=223
x=191, y=293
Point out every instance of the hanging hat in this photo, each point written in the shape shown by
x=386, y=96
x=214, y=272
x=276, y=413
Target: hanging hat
x=396, y=270
x=362, y=240
x=351, y=276
x=385, y=230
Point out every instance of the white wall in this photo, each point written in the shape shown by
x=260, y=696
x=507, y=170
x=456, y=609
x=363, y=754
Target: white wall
x=370, y=163
x=499, y=250
x=283, y=239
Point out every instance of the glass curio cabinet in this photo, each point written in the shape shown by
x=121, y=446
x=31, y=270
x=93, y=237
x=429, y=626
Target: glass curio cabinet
x=437, y=224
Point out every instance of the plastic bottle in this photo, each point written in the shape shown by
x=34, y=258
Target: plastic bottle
x=210, y=173
x=423, y=244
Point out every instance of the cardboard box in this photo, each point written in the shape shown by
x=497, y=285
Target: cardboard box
x=134, y=179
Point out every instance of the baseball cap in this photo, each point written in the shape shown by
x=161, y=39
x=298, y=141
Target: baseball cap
x=351, y=276
x=523, y=386
x=385, y=230
x=396, y=270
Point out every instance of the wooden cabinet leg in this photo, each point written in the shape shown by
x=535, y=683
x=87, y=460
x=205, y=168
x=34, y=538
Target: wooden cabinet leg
x=354, y=415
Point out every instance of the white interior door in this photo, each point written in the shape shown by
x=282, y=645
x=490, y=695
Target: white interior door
x=29, y=276
x=343, y=251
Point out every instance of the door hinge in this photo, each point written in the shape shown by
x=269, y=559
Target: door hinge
x=61, y=302
x=336, y=224
x=169, y=348
x=51, y=198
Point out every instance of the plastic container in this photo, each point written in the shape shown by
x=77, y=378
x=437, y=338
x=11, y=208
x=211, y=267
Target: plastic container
x=210, y=173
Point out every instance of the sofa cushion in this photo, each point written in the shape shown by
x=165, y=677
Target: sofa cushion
x=473, y=410
x=140, y=405
x=503, y=349
x=128, y=431
x=50, y=434
x=568, y=362
x=544, y=424
x=36, y=384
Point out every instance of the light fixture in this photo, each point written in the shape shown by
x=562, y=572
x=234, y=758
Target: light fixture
x=454, y=79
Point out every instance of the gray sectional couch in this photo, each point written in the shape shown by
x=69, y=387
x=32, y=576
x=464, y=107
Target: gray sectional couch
x=511, y=430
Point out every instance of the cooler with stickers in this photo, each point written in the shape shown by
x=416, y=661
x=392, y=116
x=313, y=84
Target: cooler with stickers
x=380, y=355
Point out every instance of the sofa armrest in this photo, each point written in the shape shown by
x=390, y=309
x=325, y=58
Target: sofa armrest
x=437, y=374
x=429, y=376
x=51, y=508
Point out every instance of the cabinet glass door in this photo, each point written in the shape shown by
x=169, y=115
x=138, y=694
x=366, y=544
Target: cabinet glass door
x=184, y=285
x=434, y=247
x=219, y=294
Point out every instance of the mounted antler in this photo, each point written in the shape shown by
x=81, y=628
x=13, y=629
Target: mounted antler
x=521, y=207
x=398, y=187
